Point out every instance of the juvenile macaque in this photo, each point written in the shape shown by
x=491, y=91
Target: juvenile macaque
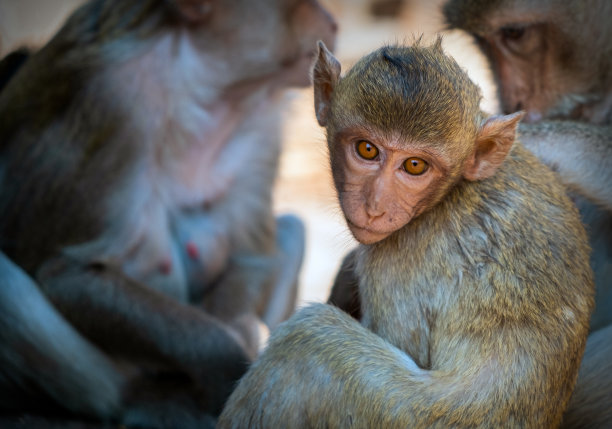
x=553, y=59
x=473, y=270
x=138, y=149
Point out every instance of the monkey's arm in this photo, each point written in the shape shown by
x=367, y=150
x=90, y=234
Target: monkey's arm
x=258, y=288
x=34, y=337
x=140, y=323
x=345, y=291
x=588, y=170
x=323, y=369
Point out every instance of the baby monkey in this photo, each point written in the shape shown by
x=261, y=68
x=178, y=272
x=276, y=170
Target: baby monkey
x=473, y=267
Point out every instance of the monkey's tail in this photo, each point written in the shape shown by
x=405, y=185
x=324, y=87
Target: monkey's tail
x=41, y=353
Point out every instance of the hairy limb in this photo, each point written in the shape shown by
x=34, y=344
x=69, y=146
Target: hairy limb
x=260, y=287
x=41, y=351
x=590, y=402
x=323, y=369
x=345, y=291
x=581, y=153
x=143, y=324
x=279, y=302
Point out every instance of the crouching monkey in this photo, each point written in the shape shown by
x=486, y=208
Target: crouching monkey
x=473, y=268
x=138, y=150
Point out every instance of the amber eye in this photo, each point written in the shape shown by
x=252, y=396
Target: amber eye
x=367, y=150
x=415, y=166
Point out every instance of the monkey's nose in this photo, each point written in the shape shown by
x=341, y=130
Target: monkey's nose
x=374, y=215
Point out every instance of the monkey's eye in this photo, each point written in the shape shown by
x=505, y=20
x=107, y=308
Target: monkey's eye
x=415, y=166
x=367, y=150
x=512, y=32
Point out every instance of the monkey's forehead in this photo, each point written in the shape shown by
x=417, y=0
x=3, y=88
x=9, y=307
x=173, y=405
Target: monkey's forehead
x=469, y=15
x=484, y=16
x=417, y=91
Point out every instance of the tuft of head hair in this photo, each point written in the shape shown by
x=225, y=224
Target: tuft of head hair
x=416, y=90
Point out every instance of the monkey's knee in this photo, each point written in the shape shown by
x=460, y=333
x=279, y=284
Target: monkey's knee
x=290, y=242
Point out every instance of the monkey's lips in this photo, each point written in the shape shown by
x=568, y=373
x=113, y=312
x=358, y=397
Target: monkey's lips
x=366, y=235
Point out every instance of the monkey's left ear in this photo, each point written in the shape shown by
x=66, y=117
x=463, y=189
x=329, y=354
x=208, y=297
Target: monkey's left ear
x=194, y=11
x=325, y=76
x=493, y=142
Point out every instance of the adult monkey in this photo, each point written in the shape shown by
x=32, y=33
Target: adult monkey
x=473, y=270
x=553, y=59
x=137, y=154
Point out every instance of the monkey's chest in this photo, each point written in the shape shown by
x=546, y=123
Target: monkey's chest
x=175, y=250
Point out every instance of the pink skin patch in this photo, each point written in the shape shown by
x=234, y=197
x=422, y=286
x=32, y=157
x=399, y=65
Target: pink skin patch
x=165, y=266
x=192, y=250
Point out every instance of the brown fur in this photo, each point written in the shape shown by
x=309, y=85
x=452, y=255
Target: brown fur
x=138, y=149
x=475, y=311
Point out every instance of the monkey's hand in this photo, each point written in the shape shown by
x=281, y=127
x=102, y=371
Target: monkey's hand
x=580, y=153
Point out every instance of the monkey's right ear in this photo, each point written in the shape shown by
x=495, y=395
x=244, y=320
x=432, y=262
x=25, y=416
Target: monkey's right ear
x=194, y=11
x=325, y=76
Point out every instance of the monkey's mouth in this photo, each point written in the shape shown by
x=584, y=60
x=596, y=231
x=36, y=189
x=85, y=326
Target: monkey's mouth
x=366, y=235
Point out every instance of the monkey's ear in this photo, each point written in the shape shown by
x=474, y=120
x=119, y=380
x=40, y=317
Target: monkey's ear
x=325, y=76
x=194, y=11
x=493, y=142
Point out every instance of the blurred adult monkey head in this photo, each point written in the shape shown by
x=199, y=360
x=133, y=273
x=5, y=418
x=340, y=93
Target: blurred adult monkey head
x=551, y=58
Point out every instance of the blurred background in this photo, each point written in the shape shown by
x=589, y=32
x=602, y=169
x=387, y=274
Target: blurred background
x=304, y=186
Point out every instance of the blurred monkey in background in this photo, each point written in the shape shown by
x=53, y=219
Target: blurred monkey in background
x=138, y=150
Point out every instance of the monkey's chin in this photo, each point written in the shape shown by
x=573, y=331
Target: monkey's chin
x=366, y=236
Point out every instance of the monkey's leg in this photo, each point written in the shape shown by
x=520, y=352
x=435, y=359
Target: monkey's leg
x=345, y=291
x=42, y=353
x=598, y=224
x=138, y=323
x=591, y=403
x=281, y=299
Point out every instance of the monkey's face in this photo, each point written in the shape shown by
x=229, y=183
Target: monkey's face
x=533, y=70
x=267, y=39
x=534, y=54
x=383, y=183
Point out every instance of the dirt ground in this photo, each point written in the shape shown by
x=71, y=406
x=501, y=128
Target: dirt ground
x=304, y=186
